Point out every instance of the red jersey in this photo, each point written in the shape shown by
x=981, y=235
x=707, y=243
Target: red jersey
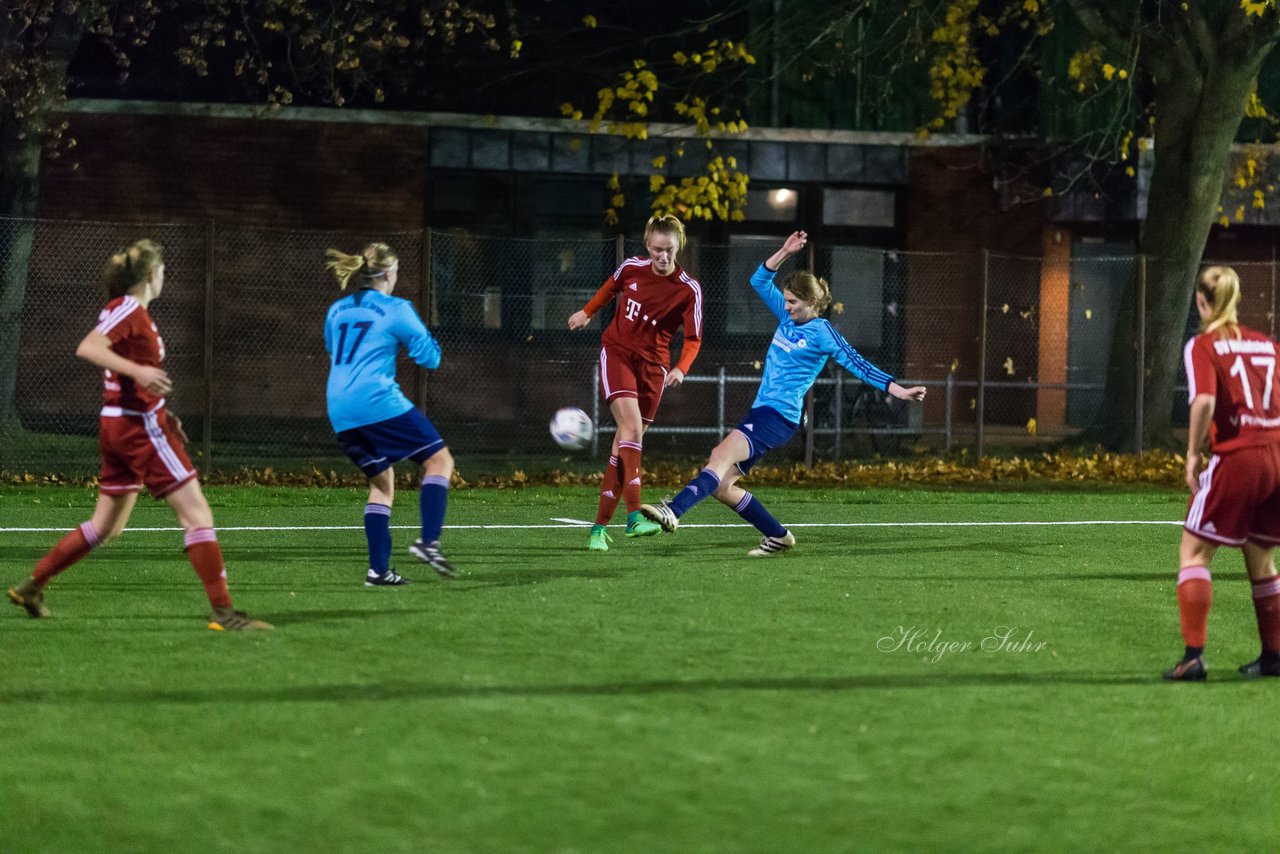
x=134, y=336
x=1241, y=375
x=650, y=309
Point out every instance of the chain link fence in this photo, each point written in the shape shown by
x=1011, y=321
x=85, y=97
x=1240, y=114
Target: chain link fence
x=1014, y=350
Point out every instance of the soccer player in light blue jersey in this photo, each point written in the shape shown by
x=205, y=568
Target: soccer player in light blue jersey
x=376, y=424
x=801, y=346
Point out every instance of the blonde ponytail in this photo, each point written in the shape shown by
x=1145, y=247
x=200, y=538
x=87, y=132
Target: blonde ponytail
x=811, y=289
x=1220, y=287
x=667, y=224
x=131, y=267
x=373, y=263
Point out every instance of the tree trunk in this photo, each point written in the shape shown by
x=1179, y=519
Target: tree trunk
x=19, y=193
x=1197, y=119
x=48, y=54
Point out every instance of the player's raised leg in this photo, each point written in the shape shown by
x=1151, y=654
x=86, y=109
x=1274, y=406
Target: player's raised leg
x=437, y=473
x=733, y=449
x=107, y=522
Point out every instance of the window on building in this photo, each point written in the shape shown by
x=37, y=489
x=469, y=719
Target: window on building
x=745, y=313
x=865, y=208
x=772, y=205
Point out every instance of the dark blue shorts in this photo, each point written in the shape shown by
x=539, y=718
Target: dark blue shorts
x=376, y=447
x=765, y=429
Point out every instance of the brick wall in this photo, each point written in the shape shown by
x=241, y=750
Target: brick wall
x=134, y=168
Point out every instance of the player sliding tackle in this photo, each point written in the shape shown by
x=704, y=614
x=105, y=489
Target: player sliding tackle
x=801, y=346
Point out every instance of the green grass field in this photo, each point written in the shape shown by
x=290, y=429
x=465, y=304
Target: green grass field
x=671, y=695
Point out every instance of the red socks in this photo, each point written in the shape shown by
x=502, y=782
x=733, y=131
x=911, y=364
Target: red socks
x=77, y=543
x=1266, y=604
x=1195, y=595
x=206, y=557
x=629, y=452
x=610, y=492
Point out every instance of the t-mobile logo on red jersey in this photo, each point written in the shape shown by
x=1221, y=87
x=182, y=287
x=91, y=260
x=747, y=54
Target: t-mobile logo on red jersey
x=633, y=309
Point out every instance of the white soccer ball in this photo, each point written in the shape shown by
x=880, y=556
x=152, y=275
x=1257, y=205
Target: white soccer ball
x=571, y=428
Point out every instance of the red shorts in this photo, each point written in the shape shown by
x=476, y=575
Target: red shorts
x=1239, y=498
x=627, y=374
x=138, y=449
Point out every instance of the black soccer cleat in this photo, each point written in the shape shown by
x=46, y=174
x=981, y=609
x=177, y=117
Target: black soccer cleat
x=661, y=514
x=30, y=597
x=430, y=554
x=774, y=545
x=230, y=620
x=1187, y=670
x=390, y=578
x=1260, y=667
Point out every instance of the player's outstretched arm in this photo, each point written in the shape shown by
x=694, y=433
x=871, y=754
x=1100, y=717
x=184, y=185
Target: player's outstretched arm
x=916, y=392
x=605, y=295
x=793, y=244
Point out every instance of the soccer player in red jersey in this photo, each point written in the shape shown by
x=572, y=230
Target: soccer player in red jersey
x=1235, y=501
x=655, y=297
x=141, y=441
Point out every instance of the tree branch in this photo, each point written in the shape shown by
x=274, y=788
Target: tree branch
x=1193, y=23
x=1103, y=25
x=1250, y=34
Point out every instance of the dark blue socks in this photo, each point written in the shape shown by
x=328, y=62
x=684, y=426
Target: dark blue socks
x=377, y=530
x=702, y=486
x=433, y=497
x=755, y=513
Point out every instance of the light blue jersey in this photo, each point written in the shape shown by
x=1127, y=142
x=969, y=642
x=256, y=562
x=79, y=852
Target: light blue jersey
x=362, y=333
x=799, y=352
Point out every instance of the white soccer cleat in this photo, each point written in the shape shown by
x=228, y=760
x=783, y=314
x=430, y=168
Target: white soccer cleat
x=773, y=545
x=662, y=514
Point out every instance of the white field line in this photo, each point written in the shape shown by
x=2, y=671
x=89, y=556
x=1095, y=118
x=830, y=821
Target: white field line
x=568, y=524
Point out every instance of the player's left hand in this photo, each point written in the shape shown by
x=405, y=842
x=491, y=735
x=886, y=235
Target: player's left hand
x=1193, y=473
x=674, y=378
x=177, y=426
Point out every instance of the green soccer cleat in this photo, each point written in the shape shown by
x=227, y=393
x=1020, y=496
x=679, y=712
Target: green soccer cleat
x=638, y=526
x=600, y=539
x=30, y=597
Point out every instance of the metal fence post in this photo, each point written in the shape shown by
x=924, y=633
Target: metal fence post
x=950, y=401
x=839, y=413
x=1141, y=378
x=808, y=397
x=808, y=427
x=425, y=311
x=980, y=402
x=720, y=392
x=619, y=250
x=595, y=409
x=207, y=444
